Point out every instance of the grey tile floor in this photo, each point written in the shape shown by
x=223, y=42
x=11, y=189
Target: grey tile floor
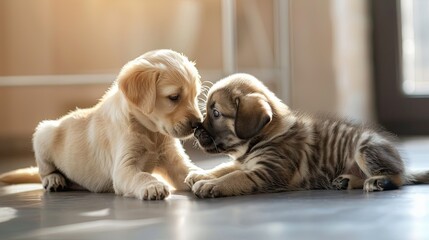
x=27, y=212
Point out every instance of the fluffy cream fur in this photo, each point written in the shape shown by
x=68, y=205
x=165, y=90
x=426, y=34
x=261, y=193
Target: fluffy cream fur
x=132, y=132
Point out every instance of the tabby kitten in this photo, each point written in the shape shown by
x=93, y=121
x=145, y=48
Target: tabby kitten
x=275, y=149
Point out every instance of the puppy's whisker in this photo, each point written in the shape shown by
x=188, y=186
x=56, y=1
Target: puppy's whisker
x=205, y=91
x=203, y=98
x=207, y=82
x=203, y=110
x=195, y=144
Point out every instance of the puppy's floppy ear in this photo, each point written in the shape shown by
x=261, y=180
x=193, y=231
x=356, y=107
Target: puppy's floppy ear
x=137, y=81
x=253, y=113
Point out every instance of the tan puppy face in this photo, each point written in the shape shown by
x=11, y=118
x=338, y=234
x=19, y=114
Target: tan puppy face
x=237, y=110
x=164, y=86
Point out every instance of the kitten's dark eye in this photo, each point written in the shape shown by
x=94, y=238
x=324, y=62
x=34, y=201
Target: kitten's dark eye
x=174, y=98
x=216, y=113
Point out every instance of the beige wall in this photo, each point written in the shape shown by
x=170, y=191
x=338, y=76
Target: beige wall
x=353, y=58
x=97, y=36
x=328, y=63
x=23, y=107
x=50, y=37
x=331, y=57
x=313, y=75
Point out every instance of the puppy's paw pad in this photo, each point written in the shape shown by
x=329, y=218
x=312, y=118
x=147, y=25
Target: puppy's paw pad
x=154, y=191
x=54, y=182
x=196, y=176
x=341, y=183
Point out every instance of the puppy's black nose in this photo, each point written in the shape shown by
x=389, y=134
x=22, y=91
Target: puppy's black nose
x=196, y=124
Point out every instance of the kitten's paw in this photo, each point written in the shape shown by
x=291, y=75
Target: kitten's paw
x=208, y=189
x=378, y=183
x=341, y=182
x=196, y=176
x=155, y=190
x=54, y=182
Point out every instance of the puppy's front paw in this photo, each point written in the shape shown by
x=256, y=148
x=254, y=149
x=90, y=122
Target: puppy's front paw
x=54, y=182
x=196, y=176
x=208, y=189
x=155, y=190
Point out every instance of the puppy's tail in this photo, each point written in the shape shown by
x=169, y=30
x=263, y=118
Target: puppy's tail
x=23, y=175
x=416, y=177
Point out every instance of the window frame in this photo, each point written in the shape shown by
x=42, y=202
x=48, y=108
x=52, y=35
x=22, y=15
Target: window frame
x=399, y=113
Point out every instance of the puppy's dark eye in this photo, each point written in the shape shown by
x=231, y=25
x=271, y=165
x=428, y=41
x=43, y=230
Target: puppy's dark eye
x=216, y=113
x=174, y=98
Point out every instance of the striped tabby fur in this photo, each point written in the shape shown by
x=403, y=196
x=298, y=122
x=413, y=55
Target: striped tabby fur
x=275, y=149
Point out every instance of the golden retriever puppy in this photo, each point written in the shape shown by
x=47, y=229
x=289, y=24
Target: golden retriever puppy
x=131, y=133
x=275, y=149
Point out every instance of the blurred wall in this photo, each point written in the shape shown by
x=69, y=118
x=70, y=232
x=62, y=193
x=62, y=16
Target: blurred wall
x=23, y=107
x=84, y=37
x=313, y=74
x=331, y=59
x=88, y=38
x=329, y=55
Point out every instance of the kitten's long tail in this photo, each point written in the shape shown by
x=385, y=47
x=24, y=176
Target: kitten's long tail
x=23, y=175
x=416, y=177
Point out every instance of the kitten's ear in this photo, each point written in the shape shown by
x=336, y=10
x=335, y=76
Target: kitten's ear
x=137, y=81
x=253, y=114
